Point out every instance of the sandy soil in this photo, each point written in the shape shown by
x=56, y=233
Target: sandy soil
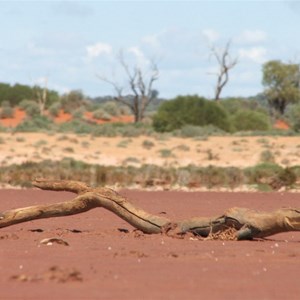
x=218, y=151
x=106, y=259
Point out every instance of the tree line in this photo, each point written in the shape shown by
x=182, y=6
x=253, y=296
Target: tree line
x=280, y=97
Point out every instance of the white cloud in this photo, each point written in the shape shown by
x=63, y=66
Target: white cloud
x=139, y=55
x=136, y=51
x=252, y=37
x=98, y=49
x=41, y=81
x=256, y=54
x=211, y=35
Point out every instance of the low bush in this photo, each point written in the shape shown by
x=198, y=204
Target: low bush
x=76, y=126
x=54, y=109
x=30, y=107
x=6, y=112
x=35, y=124
x=264, y=173
x=100, y=114
x=247, y=120
x=147, y=144
x=78, y=112
x=189, y=110
x=293, y=115
x=265, y=177
x=112, y=108
x=267, y=156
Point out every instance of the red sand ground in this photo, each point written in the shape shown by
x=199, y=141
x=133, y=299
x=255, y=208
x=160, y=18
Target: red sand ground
x=19, y=116
x=102, y=262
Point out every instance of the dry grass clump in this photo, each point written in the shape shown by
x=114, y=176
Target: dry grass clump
x=124, y=143
x=147, y=144
x=166, y=153
x=183, y=148
x=228, y=234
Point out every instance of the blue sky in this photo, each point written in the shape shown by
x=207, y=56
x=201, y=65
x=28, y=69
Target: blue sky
x=71, y=42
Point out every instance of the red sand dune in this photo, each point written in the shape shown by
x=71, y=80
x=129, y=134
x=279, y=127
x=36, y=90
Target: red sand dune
x=20, y=115
x=280, y=124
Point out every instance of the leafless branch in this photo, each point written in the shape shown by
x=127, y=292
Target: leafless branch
x=226, y=63
x=140, y=85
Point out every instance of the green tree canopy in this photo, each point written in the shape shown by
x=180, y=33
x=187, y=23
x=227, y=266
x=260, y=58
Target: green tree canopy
x=281, y=83
x=14, y=94
x=193, y=110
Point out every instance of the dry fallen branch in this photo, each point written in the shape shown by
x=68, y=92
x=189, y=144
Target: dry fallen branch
x=235, y=224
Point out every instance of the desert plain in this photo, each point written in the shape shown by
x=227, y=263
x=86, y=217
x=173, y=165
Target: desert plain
x=96, y=255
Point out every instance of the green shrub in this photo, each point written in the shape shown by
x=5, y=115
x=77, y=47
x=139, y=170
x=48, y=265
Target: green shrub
x=267, y=156
x=108, y=130
x=6, y=112
x=214, y=176
x=124, y=143
x=183, y=147
x=233, y=105
x=77, y=126
x=54, y=109
x=189, y=110
x=147, y=144
x=134, y=130
x=287, y=177
x=37, y=123
x=78, y=112
x=112, y=108
x=247, y=120
x=234, y=177
x=262, y=173
x=165, y=153
x=30, y=107
x=100, y=114
x=293, y=115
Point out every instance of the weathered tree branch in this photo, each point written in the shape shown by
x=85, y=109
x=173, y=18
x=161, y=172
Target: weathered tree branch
x=225, y=65
x=235, y=224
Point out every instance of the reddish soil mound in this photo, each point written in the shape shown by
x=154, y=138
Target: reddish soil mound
x=106, y=259
x=280, y=124
x=62, y=117
x=19, y=116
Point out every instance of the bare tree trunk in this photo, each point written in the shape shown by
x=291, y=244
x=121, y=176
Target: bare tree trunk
x=235, y=224
x=225, y=65
x=42, y=97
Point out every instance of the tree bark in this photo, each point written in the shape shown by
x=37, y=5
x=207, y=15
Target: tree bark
x=235, y=224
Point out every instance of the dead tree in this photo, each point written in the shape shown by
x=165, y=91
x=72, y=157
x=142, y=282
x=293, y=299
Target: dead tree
x=225, y=63
x=140, y=84
x=41, y=96
x=235, y=224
